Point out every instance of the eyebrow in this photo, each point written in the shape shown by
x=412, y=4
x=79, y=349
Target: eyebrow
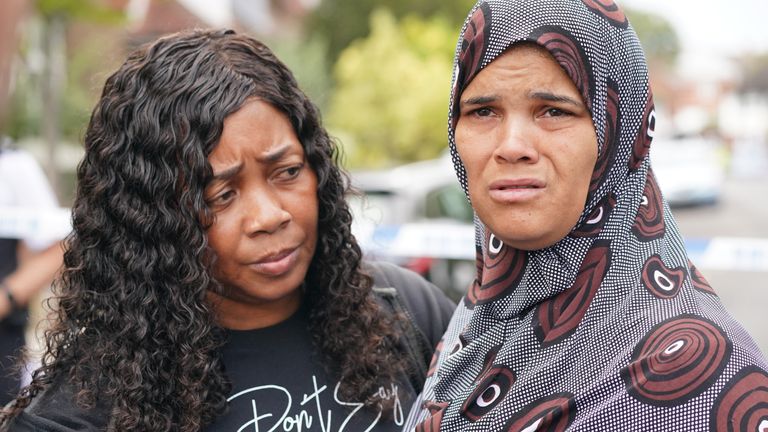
x=276, y=154
x=539, y=95
x=270, y=157
x=479, y=100
x=227, y=173
x=551, y=97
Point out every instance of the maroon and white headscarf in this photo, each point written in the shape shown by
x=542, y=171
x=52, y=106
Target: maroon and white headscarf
x=611, y=328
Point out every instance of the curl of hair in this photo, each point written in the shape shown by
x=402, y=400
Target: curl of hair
x=132, y=325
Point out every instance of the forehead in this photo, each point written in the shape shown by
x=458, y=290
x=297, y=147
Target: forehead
x=256, y=131
x=528, y=62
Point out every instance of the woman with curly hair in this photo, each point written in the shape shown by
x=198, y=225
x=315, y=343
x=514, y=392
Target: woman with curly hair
x=211, y=281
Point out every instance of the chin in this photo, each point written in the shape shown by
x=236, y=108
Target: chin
x=530, y=242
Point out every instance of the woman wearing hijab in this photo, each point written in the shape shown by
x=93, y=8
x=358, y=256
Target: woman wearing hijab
x=586, y=313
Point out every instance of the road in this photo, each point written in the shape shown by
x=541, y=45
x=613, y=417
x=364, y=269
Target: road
x=742, y=213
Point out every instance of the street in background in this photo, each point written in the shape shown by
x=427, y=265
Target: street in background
x=690, y=170
x=417, y=216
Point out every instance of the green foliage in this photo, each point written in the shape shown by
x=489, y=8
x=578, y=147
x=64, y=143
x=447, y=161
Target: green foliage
x=26, y=118
x=85, y=10
x=87, y=68
x=342, y=21
x=658, y=37
x=309, y=63
x=391, y=98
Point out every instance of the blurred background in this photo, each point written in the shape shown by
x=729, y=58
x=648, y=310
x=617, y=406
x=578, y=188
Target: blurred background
x=380, y=72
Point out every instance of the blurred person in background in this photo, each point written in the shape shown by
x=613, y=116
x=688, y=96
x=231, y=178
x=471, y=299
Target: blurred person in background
x=586, y=313
x=211, y=281
x=27, y=265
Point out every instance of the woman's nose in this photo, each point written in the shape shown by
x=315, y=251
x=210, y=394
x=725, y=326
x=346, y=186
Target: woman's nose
x=264, y=213
x=516, y=143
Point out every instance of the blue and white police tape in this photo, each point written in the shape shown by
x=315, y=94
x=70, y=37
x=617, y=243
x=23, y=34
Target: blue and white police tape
x=456, y=241
x=729, y=253
x=420, y=239
x=438, y=239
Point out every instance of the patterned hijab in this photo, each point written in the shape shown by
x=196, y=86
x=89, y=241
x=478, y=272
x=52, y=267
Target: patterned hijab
x=612, y=327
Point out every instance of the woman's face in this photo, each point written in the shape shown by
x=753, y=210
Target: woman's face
x=529, y=147
x=264, y=197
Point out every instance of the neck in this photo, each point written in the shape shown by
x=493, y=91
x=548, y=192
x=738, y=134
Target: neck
x=242, y=315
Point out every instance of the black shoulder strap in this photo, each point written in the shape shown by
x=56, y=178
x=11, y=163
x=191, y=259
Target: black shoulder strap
x=416, y=343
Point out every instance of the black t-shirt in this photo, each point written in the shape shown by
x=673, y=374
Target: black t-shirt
x=278, y=381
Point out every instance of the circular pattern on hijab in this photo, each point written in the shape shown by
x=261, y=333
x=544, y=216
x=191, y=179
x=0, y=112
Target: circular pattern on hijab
x=494, y=385
x=568, y=52
x=677, y=360
x=474, y=42
x=609, y=10
x=552, y=414
x=487, y=392
x=494, y=246
x=645, y=135
x=649, y=223
x=558, y=317
x=607, y=152
x=698, y=280
x=743, y=405
x=597, y=219
x=436, y=411
x=501, y=272
x=660, y=280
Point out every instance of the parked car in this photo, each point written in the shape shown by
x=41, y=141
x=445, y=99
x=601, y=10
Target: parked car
x=417, y=216
x=690, y=170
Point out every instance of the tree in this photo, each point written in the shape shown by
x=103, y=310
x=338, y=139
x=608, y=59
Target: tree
x=342, y=21
x=309, y=63
x=391, y=98
x=48, y=66
x=658, y=37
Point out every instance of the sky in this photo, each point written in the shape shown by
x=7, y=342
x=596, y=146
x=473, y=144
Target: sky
x=722, y=27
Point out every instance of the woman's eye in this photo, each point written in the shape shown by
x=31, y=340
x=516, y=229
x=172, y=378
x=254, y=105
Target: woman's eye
x=223, y=198
x=555, y=112
x=292, y=171
x=483, y=112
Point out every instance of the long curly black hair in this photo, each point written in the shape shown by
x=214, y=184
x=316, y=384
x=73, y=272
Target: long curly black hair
x=132, y=323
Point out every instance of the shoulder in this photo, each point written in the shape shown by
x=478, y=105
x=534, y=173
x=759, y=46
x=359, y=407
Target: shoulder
x=430, y=308
x=414, y=290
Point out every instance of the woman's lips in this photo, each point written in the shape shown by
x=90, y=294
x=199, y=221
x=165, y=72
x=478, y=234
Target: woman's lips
x=277, y=264
x=515, y=190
